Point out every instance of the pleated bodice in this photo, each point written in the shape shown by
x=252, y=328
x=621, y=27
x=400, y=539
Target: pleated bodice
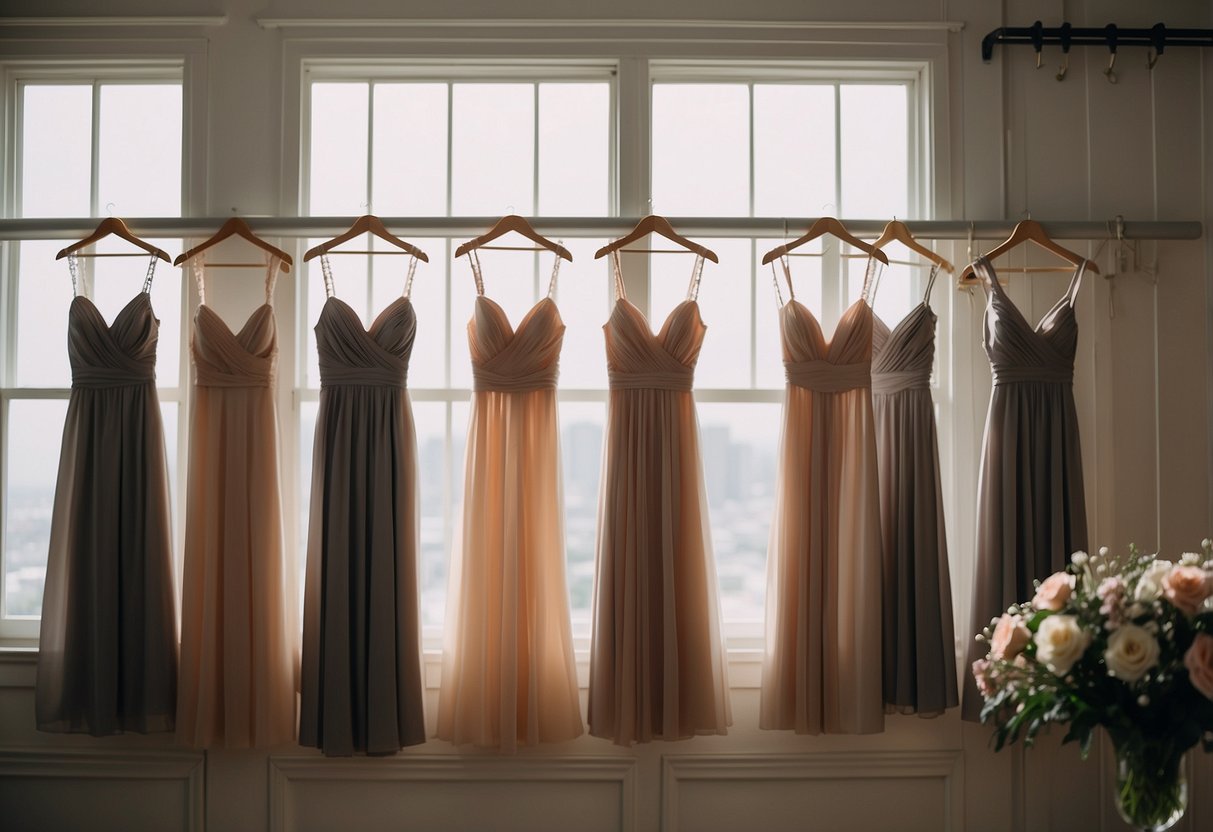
x=378, y=356
x=223, y=358
x=638, y=359
x=112, y=355
x=902, y=357
x=506, y=360
x=843, y=363
x=1019, y=352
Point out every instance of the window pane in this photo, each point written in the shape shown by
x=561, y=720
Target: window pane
x=740, y=450
x=35, y=434
x=794, y=150
x=582, y=425
x=44, y=293
x=701, y=149
x=409, y=175
x=493, y=149
x=427, y=367
x=585, y=294
x=139, y=150
x=724, y=303
x=430, y=421
x=56, y=150
x=337, y=178
x=875, y=151
x=574, y=149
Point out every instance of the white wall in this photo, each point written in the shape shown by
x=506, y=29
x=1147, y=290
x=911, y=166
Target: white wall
x=1018, y=142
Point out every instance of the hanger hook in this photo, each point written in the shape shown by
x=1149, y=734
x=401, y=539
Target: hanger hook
x=969, y=252
x=1110, y=35
x=1110, y=73
x=1038, y=41
x=109, y=208
x=1158, y=39
x=1151, y=58
x=1065, y=66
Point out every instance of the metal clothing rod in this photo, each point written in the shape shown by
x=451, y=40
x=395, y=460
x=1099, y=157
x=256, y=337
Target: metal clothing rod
x=56, y=228
x=1158, y=37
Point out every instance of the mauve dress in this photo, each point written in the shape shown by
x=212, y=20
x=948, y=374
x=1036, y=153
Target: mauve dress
x=1031, y=514
x=107, y=654
x=919, y=652
x=362, y=676
x=657, y=664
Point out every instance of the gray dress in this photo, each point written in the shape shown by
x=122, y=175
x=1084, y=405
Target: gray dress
x=919, y=653
x=107, y=656
x=361, y=675
x=1031, y=514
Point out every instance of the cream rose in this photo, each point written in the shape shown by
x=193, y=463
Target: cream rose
x=1187, y=587
x=1131, y=652
x=1060, y=642
x=1149, y=585
x=1010, y=637
x=1199, y=661
x=1054, y=592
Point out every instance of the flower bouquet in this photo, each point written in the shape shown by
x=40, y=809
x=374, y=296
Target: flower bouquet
x=1122, y=641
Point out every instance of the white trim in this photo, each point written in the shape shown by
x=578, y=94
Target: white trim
x=114, y=22
x=840, y=765
x=573, y=23
x=287, y=771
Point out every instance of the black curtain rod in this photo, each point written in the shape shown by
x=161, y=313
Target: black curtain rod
x=1158, y=37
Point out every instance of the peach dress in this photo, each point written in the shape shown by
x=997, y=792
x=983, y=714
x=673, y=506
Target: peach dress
x=657, y=668
x=822, y=670
x=239, y=648
x=508, y=677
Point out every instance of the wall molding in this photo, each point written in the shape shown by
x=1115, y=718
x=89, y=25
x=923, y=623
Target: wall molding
x=78, y=764
x=114, y=22
x=567, y=23
x=285, y=772
x=840, y=765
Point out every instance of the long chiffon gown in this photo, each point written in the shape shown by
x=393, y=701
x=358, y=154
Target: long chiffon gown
x=919, y=652
x=1031, y=513
x=657, y=669
x=822, y=669
x=239, y=656
x=508, y=677
x=107, y=653
x=361, y=684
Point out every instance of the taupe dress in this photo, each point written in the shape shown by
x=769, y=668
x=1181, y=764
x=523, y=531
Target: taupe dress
x=239, y=652
x=107, y=655
x=657, y=664
x=1031, y=513
x=508, y=677
x=822, y=670
x=919, y=651
x=361, y=681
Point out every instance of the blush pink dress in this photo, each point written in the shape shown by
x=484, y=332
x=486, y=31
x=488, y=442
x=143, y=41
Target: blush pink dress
x=822, y=670
x=508, y=677
x=657, y=665
x=239, y=649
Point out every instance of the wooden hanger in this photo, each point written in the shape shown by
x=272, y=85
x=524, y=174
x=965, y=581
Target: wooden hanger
x=513, y=222
x=238, y=228
x=653, y=224
x=831, y=226
x=366, y=224
x=1027, y=231
x=896, y=231
x=116, y=227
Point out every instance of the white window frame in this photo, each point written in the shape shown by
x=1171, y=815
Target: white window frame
x=133, y=63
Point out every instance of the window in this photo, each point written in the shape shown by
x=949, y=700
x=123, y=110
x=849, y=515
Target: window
x=493, y=142
x=85, y=146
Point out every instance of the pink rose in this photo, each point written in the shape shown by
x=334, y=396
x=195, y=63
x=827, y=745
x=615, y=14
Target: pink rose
x=1054, y=592
x=1187, y=587
x=1199, y=661
x=982, y=672
x=1010, y=638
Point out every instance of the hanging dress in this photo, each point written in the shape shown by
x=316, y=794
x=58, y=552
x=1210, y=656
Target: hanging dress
x=362, y=684
x=1031, y=515
x=822, y=669
x=239, y=655
x=508, y=677
x=657, y=664
x=919, y=651
x=107, y=653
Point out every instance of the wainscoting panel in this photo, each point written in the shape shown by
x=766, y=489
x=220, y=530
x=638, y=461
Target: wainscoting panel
x=449, y=794
x=839, y=792
x=121, y=791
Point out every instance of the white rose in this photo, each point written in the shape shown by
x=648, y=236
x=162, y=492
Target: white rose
x=1149, y=585
x=1060, y=642
x=1131, y=652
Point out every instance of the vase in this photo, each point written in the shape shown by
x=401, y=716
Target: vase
x=1151, y=787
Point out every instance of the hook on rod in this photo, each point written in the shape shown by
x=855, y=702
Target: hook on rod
x=1038, y=40
x=1110, y=35
x=1064, y=38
